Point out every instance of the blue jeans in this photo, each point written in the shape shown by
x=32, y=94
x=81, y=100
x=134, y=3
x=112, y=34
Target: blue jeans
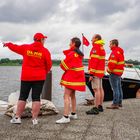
x=115, y=82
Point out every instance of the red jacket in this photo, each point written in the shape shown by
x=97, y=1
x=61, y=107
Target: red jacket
x=116, y=61
x=36, y=60
x=96, y=65
x=73, y=77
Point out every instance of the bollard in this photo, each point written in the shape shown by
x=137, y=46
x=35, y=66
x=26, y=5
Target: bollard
x=47, y=88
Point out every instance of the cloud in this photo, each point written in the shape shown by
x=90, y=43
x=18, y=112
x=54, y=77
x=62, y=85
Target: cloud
x=98, y=11
x=20, y=11
x=61, y=20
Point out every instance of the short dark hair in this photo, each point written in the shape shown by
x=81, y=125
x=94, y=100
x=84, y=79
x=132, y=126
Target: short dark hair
x=115, y=41
x=77, y=42
x=98, y=36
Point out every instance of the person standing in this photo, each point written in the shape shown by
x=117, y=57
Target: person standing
x=36, y=64
x=115, y=69
x=96, y=69
x=73, y=79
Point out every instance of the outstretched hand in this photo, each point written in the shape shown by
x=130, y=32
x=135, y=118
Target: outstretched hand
x=129, y=65
x=4, y=45
x=7, y=44
x=1, y=44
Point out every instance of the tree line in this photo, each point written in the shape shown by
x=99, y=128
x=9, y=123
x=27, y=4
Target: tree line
x=16, y=62
x=7, y=61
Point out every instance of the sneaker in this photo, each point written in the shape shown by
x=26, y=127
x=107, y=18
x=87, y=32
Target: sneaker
x=63, y=120
x=93, y=111
x=73, y=116
x=35, y=121
x=100, y=108
x=15, y=120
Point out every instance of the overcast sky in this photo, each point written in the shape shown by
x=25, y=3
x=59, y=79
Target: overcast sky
x=61, y=20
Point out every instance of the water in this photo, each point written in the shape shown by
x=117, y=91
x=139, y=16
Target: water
x=10, y=82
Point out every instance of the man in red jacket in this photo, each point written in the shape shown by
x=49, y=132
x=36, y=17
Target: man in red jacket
x=96, y=70
x=115, y=69
x=36, y=64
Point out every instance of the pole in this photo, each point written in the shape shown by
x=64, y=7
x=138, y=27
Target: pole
x=82, y=44
x=47, y=88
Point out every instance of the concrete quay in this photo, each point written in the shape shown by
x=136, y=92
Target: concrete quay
x=122, y=124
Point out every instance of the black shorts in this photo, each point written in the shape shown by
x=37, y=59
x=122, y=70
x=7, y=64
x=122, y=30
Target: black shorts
x=36, y=87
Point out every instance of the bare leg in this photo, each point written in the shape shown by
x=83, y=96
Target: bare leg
x=35, y=109
x=101, y=96
x=20, y=108
x=73, y=101
x=67, y=94
x=97, y=97
x=138, y=94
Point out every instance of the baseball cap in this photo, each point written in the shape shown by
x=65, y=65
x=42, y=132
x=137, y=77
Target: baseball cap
x=39, y=36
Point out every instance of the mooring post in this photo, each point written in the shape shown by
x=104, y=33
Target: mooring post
x=47, y=88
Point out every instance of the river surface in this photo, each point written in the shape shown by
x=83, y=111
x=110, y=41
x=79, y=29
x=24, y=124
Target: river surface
x=10, y=82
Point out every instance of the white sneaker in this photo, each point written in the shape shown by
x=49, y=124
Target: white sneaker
x=15, y=120
x=35, y=121
x=73, y=116
x=63, y=120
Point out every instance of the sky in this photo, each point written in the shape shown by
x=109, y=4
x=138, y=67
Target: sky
x=62, y=20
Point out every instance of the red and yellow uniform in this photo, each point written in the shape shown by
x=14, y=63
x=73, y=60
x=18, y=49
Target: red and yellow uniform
x=96, y=65
x=73, y=77
x=116, y=61
x=36, y=60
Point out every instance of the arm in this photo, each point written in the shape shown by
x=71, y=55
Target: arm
x=93, y=62
x=48, y=61
x=129, y=65
x=66, y=64
x=15, y=48
x=112, y=63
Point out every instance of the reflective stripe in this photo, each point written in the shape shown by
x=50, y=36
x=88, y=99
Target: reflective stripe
x=117, y=70
x=64, y=65
x=78, y=69
x=73, y=83
x=113, y=61
x=97, y=56
x=121, y=62
x=97, y=71
x=74, y=69
x=118, y=63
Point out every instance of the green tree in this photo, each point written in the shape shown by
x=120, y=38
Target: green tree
x=5, y=60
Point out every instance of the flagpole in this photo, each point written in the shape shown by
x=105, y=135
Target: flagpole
x=82, y=44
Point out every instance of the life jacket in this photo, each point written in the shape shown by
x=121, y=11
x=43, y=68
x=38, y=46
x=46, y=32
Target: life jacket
x=73, y=77
x=116, y=61
x=96, y=65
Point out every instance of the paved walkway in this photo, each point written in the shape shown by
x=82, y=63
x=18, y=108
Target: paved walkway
x=122, y=124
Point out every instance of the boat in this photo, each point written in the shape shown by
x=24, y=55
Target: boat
x=130, y=84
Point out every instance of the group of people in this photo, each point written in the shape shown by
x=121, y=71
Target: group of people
x=37, y=63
